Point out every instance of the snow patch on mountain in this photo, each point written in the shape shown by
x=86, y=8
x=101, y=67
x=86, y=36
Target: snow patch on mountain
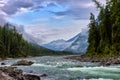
x=77, y=44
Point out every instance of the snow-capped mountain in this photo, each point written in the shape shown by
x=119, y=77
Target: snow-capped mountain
x=58, y=45
x=77, y=44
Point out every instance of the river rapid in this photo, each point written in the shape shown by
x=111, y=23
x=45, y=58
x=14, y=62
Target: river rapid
x=58, y=68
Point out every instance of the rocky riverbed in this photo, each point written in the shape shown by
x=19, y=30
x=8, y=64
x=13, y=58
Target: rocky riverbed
x=58, y=68
x=101, y=61
x=13, y=73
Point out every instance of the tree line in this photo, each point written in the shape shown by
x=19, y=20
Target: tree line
x=12, y=44
x=104, y=31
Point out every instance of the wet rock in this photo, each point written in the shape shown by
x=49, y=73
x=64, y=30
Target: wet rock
x=43, y=75
x=7, y=69
x=23, y=62
x=12, y=73
x=31, y=77
x=3, y=63
x=17, y=74
x=102, y=61
x=4, y=76
x=107, y=63
x=31, y=71
x=116, y=61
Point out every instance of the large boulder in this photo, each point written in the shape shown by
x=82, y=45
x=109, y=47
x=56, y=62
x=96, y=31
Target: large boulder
x=23, y=62
x=12, y=73
x=4, y=76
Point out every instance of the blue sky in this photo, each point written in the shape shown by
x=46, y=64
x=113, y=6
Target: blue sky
x=49, y=19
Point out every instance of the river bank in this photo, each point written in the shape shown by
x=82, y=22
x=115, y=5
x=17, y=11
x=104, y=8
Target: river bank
x=101, y=61
x=12, y=73
x=59, y=68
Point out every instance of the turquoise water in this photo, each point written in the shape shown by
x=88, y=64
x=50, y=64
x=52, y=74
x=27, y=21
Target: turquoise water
x=58, y=68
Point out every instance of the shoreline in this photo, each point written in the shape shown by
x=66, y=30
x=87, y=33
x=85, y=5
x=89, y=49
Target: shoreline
x=12, y=73
x=101, y=61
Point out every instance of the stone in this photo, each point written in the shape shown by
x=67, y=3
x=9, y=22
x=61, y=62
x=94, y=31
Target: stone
x=43, y=75
x=23, y=62
x=31, y=77
x=3, y=63
x=4, y=76
x=12, y=73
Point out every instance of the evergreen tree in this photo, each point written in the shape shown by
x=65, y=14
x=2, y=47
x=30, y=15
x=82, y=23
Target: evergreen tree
x=93, y=35
x=108, y=30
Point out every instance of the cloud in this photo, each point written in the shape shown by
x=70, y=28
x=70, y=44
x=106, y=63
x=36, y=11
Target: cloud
x=59, y=19
x=2, y=21
x=43, y=31
x=78, y=9
x=11, y=7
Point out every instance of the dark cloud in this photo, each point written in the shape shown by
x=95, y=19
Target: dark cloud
x=78, y=9
x=37, y=8
x=9, y=9
x=75, y=13
x=51, y=5
x=12, y=7
x=59, y=13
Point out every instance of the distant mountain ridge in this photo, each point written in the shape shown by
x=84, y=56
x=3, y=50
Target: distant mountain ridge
x=77, y=44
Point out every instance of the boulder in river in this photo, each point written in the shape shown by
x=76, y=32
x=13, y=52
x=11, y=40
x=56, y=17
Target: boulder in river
x=43, y=75
x=31, y=77
x=12, y=73
x=23, y=62
x=4, y=76
x=3, y=63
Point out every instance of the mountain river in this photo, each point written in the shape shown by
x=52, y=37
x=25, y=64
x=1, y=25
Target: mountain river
x=58, y=68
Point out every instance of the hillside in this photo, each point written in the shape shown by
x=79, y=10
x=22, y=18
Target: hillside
x=12, y=44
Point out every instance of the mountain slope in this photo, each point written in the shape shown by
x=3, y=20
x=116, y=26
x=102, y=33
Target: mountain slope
x=77, y=44
x=58, y=45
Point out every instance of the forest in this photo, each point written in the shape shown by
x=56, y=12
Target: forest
x=104, y=31
x=12, y=44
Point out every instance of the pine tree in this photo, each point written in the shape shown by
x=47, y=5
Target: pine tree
x=115, y=17
x=108, y=30
x=93, y=35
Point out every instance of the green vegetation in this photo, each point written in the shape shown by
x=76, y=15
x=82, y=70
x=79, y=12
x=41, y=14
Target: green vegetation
x=104, y=32
x=13, y=45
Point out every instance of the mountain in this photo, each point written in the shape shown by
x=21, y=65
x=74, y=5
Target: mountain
x=77, y=44
x=58, y=45
x=28, y=37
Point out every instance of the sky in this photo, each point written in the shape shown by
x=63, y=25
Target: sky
x=49, y=19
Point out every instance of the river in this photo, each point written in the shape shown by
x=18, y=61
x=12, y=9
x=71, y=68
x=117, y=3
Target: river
x=58, y=68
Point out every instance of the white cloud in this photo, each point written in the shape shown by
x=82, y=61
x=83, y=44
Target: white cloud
x=3, y=2
x=47, y=33
x=58, y=17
